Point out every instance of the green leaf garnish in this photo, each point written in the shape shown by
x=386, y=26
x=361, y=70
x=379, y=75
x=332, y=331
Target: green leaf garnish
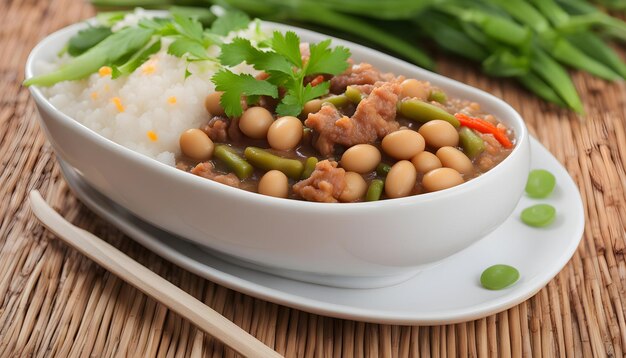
x=234, y=86
x=86, y=39
x=230, y=21
x=136, y=60
x=283, y=63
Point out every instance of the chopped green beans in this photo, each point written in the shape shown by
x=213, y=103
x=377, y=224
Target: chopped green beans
x=472, y=144
x=423, y=112
x=498, y=277
x=237, y=164
x=353, y=94
x=265, y=160
x=309, y=167
x=383, y=169
x=539, y=215
x=540, y=183
x=375, y=190
x=438, y=96
x=337, y=101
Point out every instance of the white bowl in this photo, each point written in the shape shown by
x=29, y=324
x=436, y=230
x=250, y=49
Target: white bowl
x=372, y=244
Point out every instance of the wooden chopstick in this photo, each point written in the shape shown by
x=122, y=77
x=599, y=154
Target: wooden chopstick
x=149, y=282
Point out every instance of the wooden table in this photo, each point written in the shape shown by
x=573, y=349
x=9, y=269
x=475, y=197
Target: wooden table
x=53, y=301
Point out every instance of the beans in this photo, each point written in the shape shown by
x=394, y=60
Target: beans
x=267, y=161
x=236, y=163
x=438, y=96
x=472, y=144
x=403, y=144
x=212, y=104
x=195, y=144
x=337, y=101
x=438, y=133
x=413, y=88
x=539, y=215
x=383, y=169
x=425, y=162
x=353, y=94
x=498, y=277
x=255, y=122
x=375, y=190
x=453, y=158
x=423, y=112
x=400, y=180
x=355, y=187
x=540, y=183
x=285, y=133
x=360, y=158
x=309, y=167
x=312, y=106
x=274, y=183
x=441, y=178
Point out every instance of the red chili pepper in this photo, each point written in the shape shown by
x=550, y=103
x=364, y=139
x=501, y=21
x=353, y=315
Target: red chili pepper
x=483, y=126
x=317, y=80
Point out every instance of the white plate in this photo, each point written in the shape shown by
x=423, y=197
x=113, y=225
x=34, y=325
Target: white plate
x=449, y=292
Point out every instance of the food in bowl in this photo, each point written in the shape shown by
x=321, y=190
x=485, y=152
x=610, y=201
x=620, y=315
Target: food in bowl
x=288, y=119
x=368, y=244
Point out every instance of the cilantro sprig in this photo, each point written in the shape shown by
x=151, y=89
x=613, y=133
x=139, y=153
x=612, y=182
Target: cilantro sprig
x=286, y=69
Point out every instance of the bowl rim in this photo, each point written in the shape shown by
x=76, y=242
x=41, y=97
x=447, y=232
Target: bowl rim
x=521, y=133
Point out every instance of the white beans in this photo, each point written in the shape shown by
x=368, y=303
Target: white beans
x=403, y=144
x=441, y=178
x=453, y=158
x=274, y=183
x=413, y=88
x=438, y=133
x=425, y=162
x=285, y=133
x=360, y=158
x=212, y=104
x=400, y=179
x=355, y=187
x=195, y=144
x=312, y=106
x=255, y=122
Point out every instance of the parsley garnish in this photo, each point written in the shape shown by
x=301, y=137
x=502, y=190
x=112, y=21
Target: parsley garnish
x=285, y=67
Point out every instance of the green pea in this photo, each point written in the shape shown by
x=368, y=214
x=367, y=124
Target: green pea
x=438, y=96
x=383, y=169
x=540, y=183
x=538, y=215
x=498, y=277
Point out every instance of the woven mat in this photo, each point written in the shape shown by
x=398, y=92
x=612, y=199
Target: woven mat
x=53, y=301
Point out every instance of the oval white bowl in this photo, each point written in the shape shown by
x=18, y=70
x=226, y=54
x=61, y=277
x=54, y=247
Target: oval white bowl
x=373, y=243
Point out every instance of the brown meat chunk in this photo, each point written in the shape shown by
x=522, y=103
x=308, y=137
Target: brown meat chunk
x=216, y=129
x=374, y=118
x=325, y=184
x=207, y=170
x=361, y=74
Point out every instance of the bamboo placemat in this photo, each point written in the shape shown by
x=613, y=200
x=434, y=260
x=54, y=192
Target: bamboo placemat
x=55, y=302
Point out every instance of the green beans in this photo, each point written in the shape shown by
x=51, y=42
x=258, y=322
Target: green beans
x=237, y=164
x=383, y=169
x=309, y=167
x=375, y=190
x=438, y=96
x=498, y=277
x=540, y=183
x=267, y=161
x=337, y=101
x=539, y=215
x=353, y=95
x=423, y=112
x=472, y=144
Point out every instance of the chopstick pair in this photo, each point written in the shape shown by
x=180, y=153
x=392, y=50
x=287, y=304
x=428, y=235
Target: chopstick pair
x=149, y=282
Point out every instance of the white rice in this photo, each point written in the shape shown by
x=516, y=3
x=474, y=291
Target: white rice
x=155, y=104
